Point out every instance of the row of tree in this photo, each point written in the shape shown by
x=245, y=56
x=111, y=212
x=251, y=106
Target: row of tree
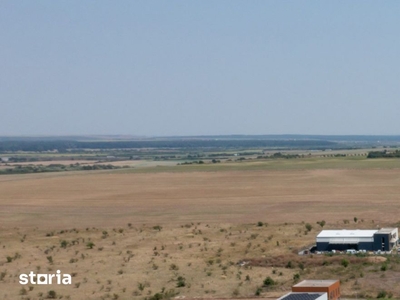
x=62, y=145
x=385, y=154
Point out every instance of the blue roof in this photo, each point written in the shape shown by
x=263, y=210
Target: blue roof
x=302, y=296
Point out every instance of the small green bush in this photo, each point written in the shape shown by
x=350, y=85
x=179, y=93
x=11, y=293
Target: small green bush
x=268, y=281
x=51, y=295
x=381, y=294
x=181, y=281
x=345, y=263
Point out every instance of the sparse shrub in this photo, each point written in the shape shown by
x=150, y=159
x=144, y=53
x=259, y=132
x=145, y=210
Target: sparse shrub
x=260, y=224
x=181, y=281
x=141, y=286
x=355, y=219
x=51, y=295
x=258, y=291
x=308, y=226
x=90, y=245
x=235, y=292
x=63, y=244
x=173, y=267
x=384, y=267
x=345, y=263
x=296, y=277
x=268, y=281
x=382, y=294
x=9, y=259
x=157, y=227
x=157, y=296
x=253, y=236
x=50, y=259
x=2, y=275
x=301, y=266
x=289, y=265
x=23, y=291
x=321, y=223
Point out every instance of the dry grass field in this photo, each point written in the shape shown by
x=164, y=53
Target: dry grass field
x=150, y=228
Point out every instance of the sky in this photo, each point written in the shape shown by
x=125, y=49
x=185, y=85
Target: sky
x=162, y=68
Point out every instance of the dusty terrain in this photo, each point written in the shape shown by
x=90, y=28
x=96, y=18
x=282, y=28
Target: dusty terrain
x=150, y=229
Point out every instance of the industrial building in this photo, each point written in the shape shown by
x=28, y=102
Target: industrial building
x=330, y=287
x=370, y=240
x=314, y=290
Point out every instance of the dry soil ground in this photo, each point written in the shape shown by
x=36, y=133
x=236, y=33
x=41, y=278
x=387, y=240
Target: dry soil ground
x=114, y=199
x=208, y=224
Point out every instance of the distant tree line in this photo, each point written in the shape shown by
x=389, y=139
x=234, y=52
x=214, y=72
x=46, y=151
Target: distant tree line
x=62, y=145
x=385, y=153
x=279, y=155
x=26, y=169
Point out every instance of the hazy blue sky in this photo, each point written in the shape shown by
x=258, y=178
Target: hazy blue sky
x=199, y=67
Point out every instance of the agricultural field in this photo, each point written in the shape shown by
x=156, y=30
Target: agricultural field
x=204, y=231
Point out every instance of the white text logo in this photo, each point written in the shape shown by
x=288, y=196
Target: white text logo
x=33, y=278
